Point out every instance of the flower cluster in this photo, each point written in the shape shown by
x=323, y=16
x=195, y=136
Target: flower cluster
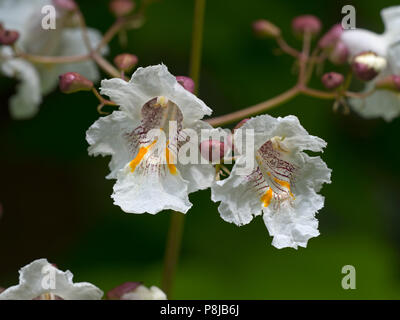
x=162, y=145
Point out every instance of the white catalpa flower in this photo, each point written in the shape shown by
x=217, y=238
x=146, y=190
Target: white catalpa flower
x=382, y=103
x=136, y=291
x=40, y=280
x=149, y=177
x=283, y=184
x=35, y=79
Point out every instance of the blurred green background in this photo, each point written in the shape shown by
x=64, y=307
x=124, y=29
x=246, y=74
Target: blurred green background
x=57, y=203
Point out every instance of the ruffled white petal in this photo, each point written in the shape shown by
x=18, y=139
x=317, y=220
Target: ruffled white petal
x=293, y=225
x=391, y=18
x=296, y=137
x=107, y=136
x=136, y=192
x=382, y=103
x=148, y=83
x=360, y=40
x=32, y=280
x=239, y=203
x=144, y=293
x=25, y=103
x=15, y=14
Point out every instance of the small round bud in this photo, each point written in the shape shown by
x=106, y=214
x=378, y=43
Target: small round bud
x=212, y=150
x=121, y=8
x=118, y=292
x=125, y=61
x=71, y=82
x=186, y=82
x=332, y=80
x=391, y=82
x=329, y=39
x=367, y=65
x=339, y=54
x=266, y=29
x=67, y=5
x=8, y=37
x=306, y=23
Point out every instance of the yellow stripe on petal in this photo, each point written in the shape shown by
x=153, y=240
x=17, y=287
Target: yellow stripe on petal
x=284, y=184
x=267, y=197
x=171, y=166
x=142, y=152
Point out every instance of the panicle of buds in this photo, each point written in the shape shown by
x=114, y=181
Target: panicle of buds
x=8, y=37
x=367, y=65
x=306, y=23
x=125, y=61
x=332, y=80
x=67, y=5
x=186, y=82
x=71, y=82
x=121, y=8
x=266, y=29
x=391, y=82
x=331, y=37
x=212, y=150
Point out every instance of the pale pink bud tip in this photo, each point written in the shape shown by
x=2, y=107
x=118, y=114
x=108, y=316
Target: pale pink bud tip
x=8, y=37
x=212, y=150
x=68, y=5
x=121, y=8
x=118, y=292
x=391, y=82
x=339, y=54
x=306, y=23
x=330, y=38
x=71, y=82
x=241, y=123
x=332, y=80
x=186, y=82
x=126, y=61
x=367, y=65
x=264, y=28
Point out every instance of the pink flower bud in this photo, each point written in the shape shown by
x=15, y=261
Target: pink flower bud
x=330, y=38
x=332, y=80
x=125, y=61
x=391, y=82
x=306, y=23
x=8, y=37
x=118, y=292
x=339, y=54
x=67, y=5
x=367, y=65
x=121, y=8
x=266, y=29
x=240, y=124
x=186, y=82
x=71, y=82
x=212, y=150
